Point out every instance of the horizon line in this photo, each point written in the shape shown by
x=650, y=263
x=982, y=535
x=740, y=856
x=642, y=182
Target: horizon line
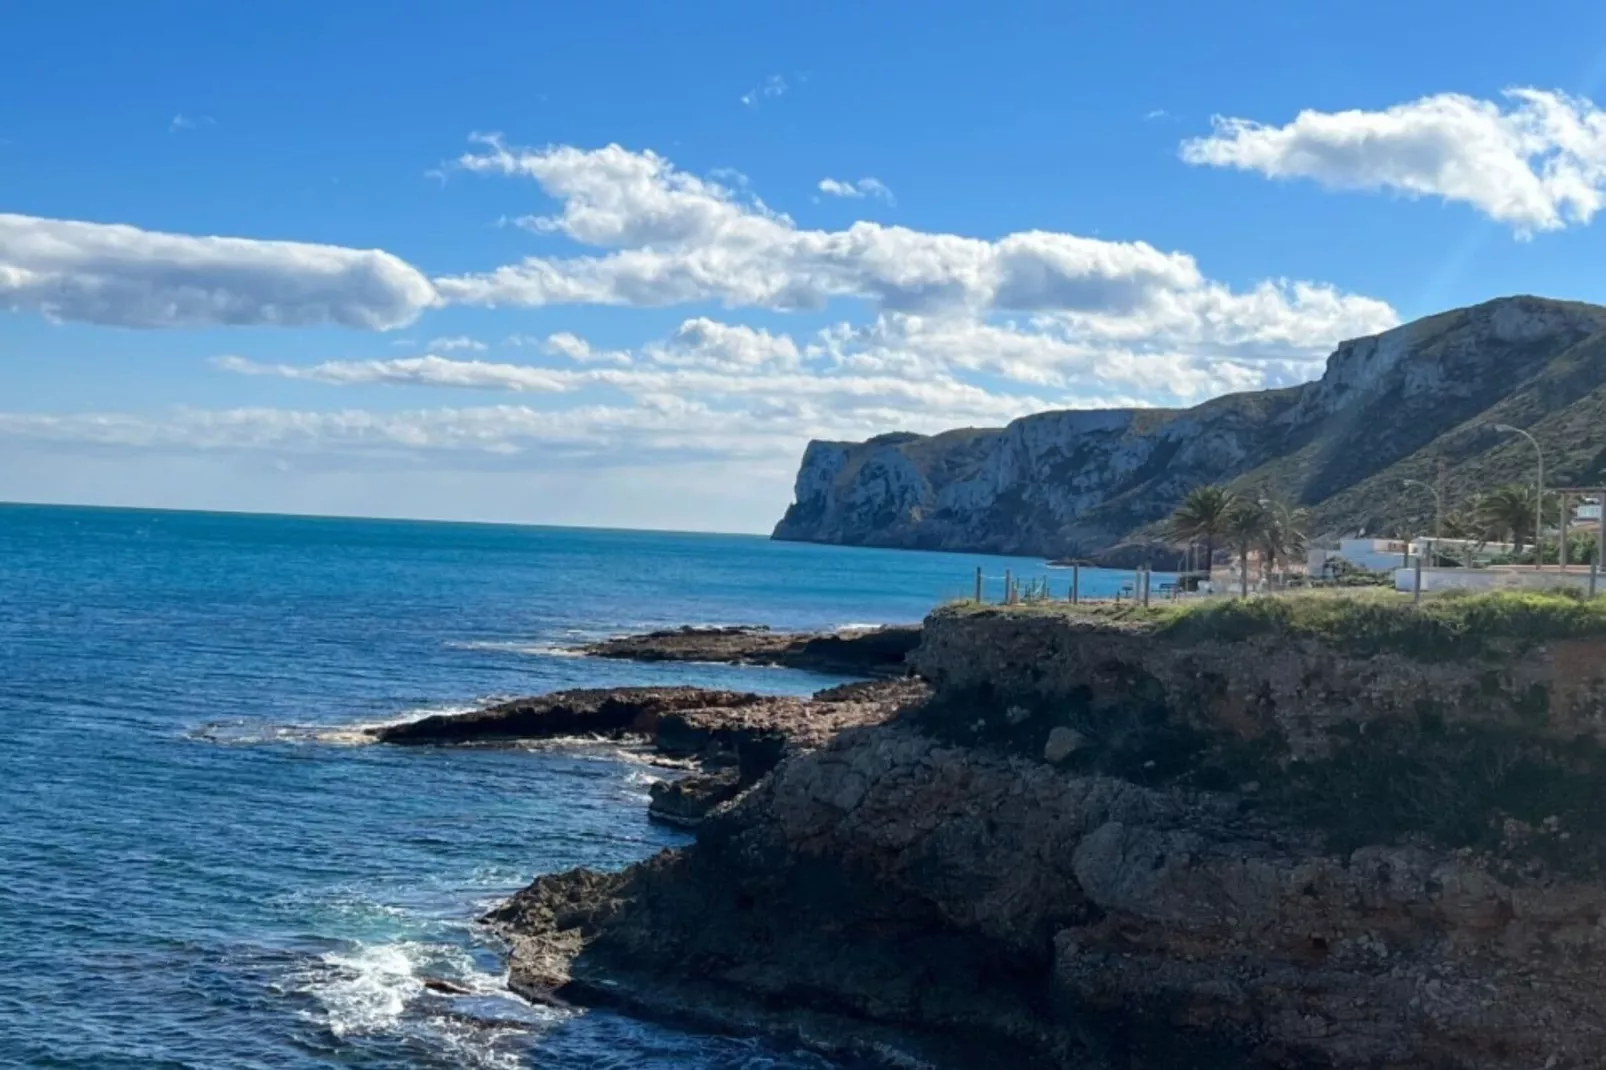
x=6, y=503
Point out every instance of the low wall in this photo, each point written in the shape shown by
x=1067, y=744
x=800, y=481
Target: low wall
x=1516, y=577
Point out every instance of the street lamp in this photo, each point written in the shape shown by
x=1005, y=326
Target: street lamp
x=1539, y=502
x=1438, y=511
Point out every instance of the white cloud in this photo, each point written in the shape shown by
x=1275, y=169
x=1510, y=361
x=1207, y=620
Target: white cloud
x=459, y=343
x=773, y=86
x=430, y=370
x=1536, y=162
x=577, y=349
x=731, y=367
x=670, y=238
x=122, y=276
x=188, y=122
x=706, y=343
x=651, y=427
x=950, y=330
x=864, y=187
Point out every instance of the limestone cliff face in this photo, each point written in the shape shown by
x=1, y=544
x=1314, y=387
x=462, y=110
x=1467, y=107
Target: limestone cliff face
x=1110, y=849
x=1081, y=482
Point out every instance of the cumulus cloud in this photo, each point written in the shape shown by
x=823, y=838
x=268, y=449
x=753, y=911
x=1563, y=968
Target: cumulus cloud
x=706, y=343
x=123, y=276
x=667, y=237
x=1536, y=161
x=947, y=330
x=864, y=187
x=577, y=349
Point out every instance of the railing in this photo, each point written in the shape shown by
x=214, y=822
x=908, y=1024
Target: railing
x=1141, y=586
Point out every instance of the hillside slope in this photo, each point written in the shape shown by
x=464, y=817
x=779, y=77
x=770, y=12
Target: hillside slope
x=1387, y=408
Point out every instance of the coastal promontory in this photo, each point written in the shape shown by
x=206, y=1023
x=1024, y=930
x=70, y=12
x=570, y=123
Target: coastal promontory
x=1407, y=404
x=1303, y=832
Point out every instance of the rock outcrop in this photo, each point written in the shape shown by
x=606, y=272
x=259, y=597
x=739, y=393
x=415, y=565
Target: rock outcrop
x=858, y=652
x=1110, y=847
x=736, y=737
x=1387, y=408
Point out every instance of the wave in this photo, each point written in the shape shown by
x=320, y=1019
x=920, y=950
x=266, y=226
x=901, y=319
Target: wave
x=395, y=988
x=513, y=646
x=237, y=733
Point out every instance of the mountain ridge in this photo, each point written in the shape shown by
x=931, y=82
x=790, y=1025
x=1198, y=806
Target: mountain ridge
x=1098, y=482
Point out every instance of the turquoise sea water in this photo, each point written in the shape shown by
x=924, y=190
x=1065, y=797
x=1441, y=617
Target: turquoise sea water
x=196, y=871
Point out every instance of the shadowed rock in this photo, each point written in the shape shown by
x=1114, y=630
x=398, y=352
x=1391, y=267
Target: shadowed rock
x=870, y=652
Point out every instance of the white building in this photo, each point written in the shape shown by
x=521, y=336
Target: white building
x=1375, y=555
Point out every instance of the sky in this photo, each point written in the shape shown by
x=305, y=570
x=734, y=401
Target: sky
x=615, y=264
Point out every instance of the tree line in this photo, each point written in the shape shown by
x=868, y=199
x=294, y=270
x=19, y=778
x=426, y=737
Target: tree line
x=1257, y=522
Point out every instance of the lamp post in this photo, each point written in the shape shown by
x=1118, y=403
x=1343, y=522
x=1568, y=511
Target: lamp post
x=1539, y=502
x=1438, y=512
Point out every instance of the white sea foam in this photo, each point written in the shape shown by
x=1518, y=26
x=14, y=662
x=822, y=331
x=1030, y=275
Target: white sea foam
x=367, y=989
x=514, y=646
x=379, y=988
x=256, y=733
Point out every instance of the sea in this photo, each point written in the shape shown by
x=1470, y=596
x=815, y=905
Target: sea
x=201, y=865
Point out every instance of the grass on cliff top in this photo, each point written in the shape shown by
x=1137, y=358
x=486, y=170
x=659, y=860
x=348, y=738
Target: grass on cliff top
x=1447, y=625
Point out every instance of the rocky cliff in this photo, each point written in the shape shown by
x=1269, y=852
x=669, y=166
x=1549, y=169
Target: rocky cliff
x=1243, y=840
x=1387, y=408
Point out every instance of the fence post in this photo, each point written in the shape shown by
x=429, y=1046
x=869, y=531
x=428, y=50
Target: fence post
x=978, y=583
x=1009, y=589
x=1561, y=536
x=1416, y=586
x=1076, y=583
x=1594, y=573
x=1145, y=581
x=1600, y=547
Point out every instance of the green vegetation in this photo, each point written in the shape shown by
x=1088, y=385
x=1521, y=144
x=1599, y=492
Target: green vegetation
x=1348, y=574
x=1250, y=521
x=1359, y=622
x=1507, y=514
x=1202, y=518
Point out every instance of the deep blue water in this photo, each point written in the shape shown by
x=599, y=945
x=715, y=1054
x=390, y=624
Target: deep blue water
x=196, y=872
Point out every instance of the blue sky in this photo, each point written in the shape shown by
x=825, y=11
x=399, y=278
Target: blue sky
x=615, y=263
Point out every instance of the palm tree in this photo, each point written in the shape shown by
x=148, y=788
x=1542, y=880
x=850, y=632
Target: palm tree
x=1202, y=517
x=1248, y=522
x=1508, y=510
x=1468, y=521
x=1283, y=537
x=1274, y=528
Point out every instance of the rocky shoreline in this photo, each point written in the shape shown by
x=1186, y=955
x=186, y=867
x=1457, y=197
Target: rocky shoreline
x=852, y=652
x=733, y=737
x=1113, y=847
